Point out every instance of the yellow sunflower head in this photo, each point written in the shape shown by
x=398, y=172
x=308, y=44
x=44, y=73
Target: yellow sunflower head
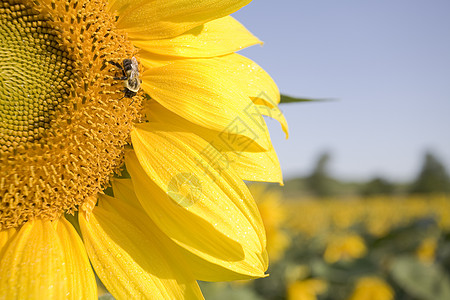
x=89, y=88
x=372, y=288
x=426, y=252
x=345, y=247
x=62, y=129
x=307, y=289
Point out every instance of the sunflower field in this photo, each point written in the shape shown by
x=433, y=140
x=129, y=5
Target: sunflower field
x=379, y=247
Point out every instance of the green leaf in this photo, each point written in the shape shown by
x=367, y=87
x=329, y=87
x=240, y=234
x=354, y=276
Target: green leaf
x=223, y=291
x=342, y=272
x=106, y=297
x=421, y=280
x=289, y=99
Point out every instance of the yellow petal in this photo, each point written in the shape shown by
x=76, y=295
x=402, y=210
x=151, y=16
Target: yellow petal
x=151, y=60
x=123, y=190
x=256, y=166
x=131, y=258
x=79, y=269
x=188, y=152
x=251, y=163
x=168, y=18
x=208, y=93
x=215, y=38
x=264, y=256
x=46, y=260
x=212, y=254
x=120, y=6
x=276, y=114
x=201, y=269
x=215, y=217
x=223, y=141
x=258, y=85
x=251, y=78
x=254, y=81
x=6, y=236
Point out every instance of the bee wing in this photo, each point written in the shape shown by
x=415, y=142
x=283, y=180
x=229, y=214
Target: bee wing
x=134, y=63
x=133, y=76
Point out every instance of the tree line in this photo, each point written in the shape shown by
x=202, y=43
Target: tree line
x=432, y=178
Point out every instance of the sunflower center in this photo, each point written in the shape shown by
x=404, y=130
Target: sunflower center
x=63, y=124
x=34, y=75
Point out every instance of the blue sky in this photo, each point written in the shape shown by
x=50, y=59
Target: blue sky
x=387, y=62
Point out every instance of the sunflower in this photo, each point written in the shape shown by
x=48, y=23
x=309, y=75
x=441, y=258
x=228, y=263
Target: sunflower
x=344, y=247
x=127, y=130
x=307, y=289
x=372, y=288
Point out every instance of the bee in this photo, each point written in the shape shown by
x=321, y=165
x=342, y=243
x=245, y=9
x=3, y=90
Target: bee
x=130, y=76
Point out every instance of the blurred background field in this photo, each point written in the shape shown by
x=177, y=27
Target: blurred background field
x=329, y=239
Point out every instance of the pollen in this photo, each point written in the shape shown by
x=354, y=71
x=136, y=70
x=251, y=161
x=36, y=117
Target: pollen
x=64, y=123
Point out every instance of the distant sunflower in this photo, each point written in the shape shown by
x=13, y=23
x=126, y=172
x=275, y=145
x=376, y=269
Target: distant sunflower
x=71, y=118
x=345, y=247
x=372, y=288
x=306, y=289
